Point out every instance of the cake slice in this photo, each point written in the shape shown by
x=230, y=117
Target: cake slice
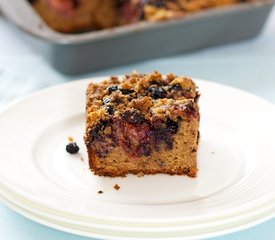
x=144, y=124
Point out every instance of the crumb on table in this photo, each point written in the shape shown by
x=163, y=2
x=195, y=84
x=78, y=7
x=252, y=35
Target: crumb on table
x=116, y=187
x=70, y=139
x=140, y=174
x=100, y=192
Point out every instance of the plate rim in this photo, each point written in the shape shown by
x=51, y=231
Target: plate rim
x=211, y=233
x=100, y=78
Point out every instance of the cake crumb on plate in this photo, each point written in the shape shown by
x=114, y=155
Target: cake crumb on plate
x=116, y=187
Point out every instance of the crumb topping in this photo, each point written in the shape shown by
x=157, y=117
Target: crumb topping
x=138, y=93
x=147, y=107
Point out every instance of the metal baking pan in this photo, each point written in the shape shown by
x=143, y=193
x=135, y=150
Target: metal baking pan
x=80, y=53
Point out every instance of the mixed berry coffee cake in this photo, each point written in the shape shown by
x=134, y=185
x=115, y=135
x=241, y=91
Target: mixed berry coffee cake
x=84, y=15
x=143, y=124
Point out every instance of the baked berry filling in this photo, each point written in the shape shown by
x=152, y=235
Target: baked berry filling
x=133, y=10
x=64, y=6
x=135, y=135
x=130, y=11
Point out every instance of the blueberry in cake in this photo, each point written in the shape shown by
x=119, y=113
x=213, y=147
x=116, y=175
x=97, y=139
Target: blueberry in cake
x=72, y=148
x=143, y=124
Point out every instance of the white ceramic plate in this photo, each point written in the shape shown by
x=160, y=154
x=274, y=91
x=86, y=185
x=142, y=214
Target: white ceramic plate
x=234, y=187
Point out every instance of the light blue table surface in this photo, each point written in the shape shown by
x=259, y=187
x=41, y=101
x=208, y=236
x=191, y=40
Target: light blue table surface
x=249, y=65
